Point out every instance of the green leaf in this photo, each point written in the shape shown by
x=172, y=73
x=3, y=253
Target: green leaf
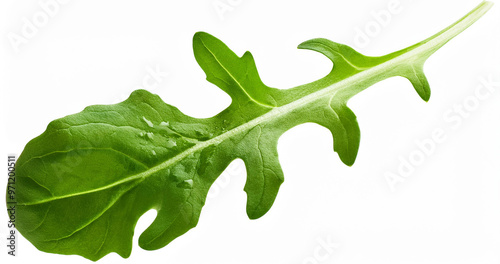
x=84, y=183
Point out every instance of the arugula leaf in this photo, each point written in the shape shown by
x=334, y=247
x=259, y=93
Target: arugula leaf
x=84, y=183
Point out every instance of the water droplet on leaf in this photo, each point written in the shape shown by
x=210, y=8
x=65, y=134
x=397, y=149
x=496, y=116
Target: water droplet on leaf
x=186, y=184
x=150, y=124
x=171, y=143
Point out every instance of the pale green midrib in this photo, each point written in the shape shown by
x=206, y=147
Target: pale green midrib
x=285, y=109
x=235, y=80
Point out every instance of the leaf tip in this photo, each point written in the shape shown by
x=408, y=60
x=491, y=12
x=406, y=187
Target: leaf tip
x=317, y=44
x=488, y=4
x=304, y=45
x=254, y=214
x=424, y=92
x=201, y=35
x=199, y=40
x=348, y=159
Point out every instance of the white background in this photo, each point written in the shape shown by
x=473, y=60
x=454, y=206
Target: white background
x=446, y=211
